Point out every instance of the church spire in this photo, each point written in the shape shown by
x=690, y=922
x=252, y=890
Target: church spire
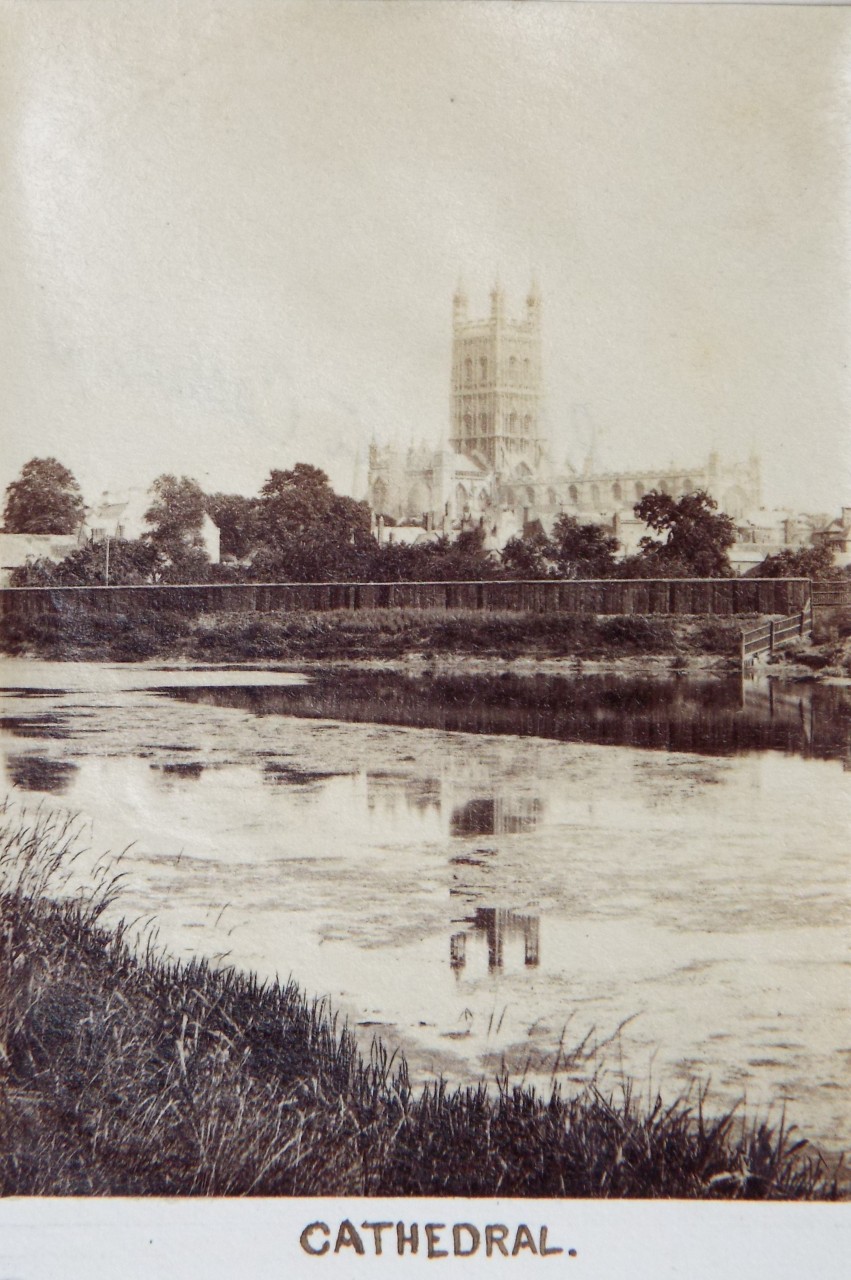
x=533, y=303
x=459, y=302
x=497, y=299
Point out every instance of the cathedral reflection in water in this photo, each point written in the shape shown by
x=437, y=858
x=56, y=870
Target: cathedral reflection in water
x=494, y=926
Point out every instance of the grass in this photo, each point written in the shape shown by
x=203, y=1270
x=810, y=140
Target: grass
x=82, y=633
x=126, y=1073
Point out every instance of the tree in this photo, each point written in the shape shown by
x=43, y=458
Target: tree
x=46, y=499
x=695, y=539
x=309, y=532
x=582, y=550
x=237, y=518
x=462, y=560
x=131, y=562
x=808, y=562
x=530, y=557
x=176, y=516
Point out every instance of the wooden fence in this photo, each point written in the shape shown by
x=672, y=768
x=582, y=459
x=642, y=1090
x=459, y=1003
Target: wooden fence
x=828, y=595
x=723, y=597
x=771, y=635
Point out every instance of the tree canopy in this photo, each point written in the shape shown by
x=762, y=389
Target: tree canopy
x=45, y=499
x=237, y=519
x=176, y=516
x=308, y=532
x=582, y=550
x=807, y=562
x=695, y=540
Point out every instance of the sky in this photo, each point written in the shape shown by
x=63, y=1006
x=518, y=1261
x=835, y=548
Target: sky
x=231, y=232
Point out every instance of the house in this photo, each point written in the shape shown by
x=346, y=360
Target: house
x=837, y=535
x=123, y=516
x=17, y=548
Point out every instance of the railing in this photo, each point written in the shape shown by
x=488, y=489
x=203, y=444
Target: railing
x=771, y=635
x=722, y=597
x=827, y=595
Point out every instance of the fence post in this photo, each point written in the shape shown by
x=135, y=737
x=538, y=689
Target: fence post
x=771, y=636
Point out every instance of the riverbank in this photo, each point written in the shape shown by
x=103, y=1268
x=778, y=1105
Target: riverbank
x=372, y=634
x=125, y=1073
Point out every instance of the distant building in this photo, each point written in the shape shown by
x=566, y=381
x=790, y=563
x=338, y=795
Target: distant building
x=497, y=471
x=837, y=535
x=18, y=549
x=123, y=516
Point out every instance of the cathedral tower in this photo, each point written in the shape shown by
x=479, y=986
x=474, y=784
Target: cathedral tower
x=496, y=383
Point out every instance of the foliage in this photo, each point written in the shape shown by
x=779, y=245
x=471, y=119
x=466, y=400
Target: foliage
x=528, y=557
x=130, y=563
x=463, y=559
x=582, y=550
x=45, y=499
x=574, y=551
x=237, y=518
x=176, y=516
x=695, y=538
x=309, y=533
x=809, y=562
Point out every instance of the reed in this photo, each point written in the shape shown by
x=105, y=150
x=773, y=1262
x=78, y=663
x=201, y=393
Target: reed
x=89, y=633
x=125, y=1072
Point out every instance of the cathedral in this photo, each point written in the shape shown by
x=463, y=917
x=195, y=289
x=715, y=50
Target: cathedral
x=496, y=471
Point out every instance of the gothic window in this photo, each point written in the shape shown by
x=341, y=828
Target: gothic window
x=483, y=423
x=468, y=371
x=617, y=492
x=468, y=423
x=461, y=497
x=379, y=496
x=688, y=485
x=573, y=493
x=595, y=494
x=512, y=424
x=527, y=424
x=639, y=490
x=483, y=368
x=552, y=498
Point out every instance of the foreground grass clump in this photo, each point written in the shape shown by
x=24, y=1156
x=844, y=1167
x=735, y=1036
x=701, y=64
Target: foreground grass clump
x=127, y=1074
x=83, y=632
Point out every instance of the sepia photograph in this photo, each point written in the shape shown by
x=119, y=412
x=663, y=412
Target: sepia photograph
x=425, y=617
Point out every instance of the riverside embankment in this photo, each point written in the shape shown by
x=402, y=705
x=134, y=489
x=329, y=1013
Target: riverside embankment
x=125, y=1073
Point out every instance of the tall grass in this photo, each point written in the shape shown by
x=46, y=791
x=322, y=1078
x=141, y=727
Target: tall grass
x=127, y=1073
x=86, y=632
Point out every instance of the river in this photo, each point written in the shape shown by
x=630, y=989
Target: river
x=553, y=877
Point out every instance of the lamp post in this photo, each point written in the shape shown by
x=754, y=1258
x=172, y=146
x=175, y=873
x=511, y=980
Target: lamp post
x=107, y=562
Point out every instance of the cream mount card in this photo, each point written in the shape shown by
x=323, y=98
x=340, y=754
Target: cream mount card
x=500, y=273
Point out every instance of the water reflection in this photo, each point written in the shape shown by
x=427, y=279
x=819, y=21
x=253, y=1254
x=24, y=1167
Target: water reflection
x=496, y=816
x=495, y=925
x=470, y=896
x=38, y=726
x=709, y=716
x=179, y=769
x=39, y=773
